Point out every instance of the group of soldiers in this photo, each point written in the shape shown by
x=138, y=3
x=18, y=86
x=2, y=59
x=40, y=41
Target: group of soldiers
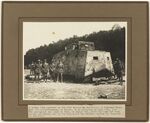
x=44, y=70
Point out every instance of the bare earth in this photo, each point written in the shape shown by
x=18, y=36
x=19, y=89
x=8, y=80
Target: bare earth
x=51, y=90
x=69, y=90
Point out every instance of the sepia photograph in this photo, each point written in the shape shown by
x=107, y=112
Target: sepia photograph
x=75, y=61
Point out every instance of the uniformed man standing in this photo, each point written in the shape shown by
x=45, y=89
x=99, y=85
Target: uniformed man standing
x=115, y=69
x=60, y=70
x=45, y=69
x=119, y=70
x=38, y=69
x=53, y=71
x=32, y=68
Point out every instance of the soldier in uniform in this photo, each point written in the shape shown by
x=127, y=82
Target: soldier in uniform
x=60, y=70
x=45, y=69
x=115, y=69
x=38, y=69
x=52, y=71
x=119, y=70
x=32, y=68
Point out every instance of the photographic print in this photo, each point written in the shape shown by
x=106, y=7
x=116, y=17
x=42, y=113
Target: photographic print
x=75, y=61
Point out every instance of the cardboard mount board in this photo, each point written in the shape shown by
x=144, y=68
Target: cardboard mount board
x=134, y=108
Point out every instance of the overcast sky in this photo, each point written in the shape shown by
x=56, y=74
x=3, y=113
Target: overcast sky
x=36, y=34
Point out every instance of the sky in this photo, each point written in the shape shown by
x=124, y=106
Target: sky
x=36, y=34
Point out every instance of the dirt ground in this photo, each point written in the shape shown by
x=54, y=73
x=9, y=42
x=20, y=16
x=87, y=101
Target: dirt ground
x=69, y=90
x=51, y=90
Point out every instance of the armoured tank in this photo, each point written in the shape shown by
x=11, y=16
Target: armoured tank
x=82, y=61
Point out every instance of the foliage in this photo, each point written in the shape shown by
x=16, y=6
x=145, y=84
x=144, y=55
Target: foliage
x=112, y=41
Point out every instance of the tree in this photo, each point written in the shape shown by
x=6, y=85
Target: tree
x=112, y=41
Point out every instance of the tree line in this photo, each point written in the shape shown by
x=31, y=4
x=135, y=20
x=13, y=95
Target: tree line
x=112, y=41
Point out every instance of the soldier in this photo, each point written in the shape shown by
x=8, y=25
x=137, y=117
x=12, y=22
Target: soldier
x=32, y=68
x=115, y=71
x=119, y=70
x=60, y=70
x=52, y=71
x=38, y=69
x=45, y=69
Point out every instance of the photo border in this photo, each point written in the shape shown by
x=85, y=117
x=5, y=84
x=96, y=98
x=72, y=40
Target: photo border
x=13, y=10
x=127, y=99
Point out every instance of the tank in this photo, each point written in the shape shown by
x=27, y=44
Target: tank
x=82, y=61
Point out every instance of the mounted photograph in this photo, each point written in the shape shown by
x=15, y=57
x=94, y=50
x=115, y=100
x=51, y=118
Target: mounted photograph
x=75, y=61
